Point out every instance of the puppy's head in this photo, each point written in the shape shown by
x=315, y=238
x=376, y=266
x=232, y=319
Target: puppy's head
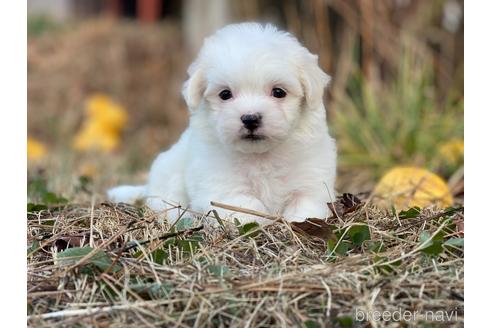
x=251, y=84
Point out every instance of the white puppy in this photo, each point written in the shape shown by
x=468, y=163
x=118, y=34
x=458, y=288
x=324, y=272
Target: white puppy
x=258, y=135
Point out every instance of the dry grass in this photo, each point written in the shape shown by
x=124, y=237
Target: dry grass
x=276, y=278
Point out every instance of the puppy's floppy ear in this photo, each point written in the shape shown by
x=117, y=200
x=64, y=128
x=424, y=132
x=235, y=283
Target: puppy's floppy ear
x=313, y=81
x=194, y=87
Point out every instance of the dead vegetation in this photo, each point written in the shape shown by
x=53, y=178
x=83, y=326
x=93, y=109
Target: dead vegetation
x=139, y=272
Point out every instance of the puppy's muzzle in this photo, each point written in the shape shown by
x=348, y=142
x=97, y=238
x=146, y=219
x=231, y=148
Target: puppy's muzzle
x=251, y=121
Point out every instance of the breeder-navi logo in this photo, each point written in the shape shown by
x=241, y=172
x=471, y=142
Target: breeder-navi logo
x=406, y=315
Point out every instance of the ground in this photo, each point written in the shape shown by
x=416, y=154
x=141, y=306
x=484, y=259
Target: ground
x=144, y=273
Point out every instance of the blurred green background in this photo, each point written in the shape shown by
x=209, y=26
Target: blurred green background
x=396, y=97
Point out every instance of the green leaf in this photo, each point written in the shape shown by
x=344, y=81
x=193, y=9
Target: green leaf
x=331, y=244
x=376, y=246
x=169, y=242
x=385, y=268
x=106, y=290
x=184, y=223
x=424, y=236
x=33, y=208
x=160, y=290
x=433, y=249
x=411, y=213
x=37, y=190
x=159, y=256
x=34, y=247
x=100, y=259
x=359, y=233
x=51, y=198
x=345, y=321
x=251, y=229
x=341, y=249
x=310, y=324
x=457, y=242
x=187, y=246
x=152, y=290
x=434, y=245
x=218, y=270
x=452, y=210
x=339, y=233
x=219, y=220
x=202, y=260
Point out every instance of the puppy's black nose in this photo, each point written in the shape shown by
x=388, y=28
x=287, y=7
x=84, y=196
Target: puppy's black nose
x=251, y=121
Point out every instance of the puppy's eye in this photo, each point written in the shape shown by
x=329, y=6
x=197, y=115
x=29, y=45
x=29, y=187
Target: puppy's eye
x=278, y=93
x=225, y=94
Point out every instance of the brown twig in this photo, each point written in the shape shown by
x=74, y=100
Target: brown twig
x=245, y=211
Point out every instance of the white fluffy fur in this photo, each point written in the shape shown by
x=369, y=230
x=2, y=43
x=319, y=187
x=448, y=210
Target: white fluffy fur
x=291, y=172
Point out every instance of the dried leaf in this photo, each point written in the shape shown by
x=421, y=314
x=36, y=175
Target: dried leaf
x=350, y=201
x=314, y=227
x=460, y=227
x=405, y=187
x=344, y=204
x=336, y=209
x=65, y=242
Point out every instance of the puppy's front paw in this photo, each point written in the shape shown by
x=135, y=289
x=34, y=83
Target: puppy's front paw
x=126, y=194
x=301, y=210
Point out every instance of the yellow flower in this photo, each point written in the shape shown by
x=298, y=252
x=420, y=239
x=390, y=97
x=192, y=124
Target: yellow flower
x=35, y=149
x=405, y=187
x=106, y=111
x=452, y=151
x=96, y=136
x=102, y=129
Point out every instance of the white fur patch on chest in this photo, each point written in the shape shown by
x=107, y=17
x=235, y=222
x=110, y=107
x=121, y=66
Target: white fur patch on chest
x=269, y=182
